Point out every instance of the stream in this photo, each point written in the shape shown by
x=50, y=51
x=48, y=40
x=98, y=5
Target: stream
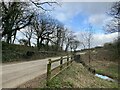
x=99, y=75
x=104, y=77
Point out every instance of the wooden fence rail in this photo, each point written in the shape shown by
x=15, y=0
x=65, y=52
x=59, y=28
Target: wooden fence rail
x=50, y=69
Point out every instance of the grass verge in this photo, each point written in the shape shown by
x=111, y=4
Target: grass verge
x=77, y=76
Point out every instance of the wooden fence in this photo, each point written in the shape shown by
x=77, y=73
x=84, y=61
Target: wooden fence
x=61, y=66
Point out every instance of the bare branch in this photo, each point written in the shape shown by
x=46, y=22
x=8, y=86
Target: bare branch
x=39, y=5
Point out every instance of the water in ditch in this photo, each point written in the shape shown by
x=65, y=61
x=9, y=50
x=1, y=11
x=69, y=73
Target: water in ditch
x=104, y=77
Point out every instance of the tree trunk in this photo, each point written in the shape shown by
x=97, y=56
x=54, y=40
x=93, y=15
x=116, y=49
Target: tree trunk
x=29, y=43
x=66, y=49
x=8, y=38
x=47, y=46
x=14, y=36
x=38, y=45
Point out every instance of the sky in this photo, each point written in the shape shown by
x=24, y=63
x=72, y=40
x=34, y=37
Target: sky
x=77, y=16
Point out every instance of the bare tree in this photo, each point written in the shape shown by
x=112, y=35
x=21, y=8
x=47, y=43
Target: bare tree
x=114, y=24
x=74, y=44
x=45, y=5
x=87, y=37
x=69, y=36
x=28, y=34
x=37, y=28
x=50, y=30
x=23, y=42
x=84, y=41
x=44, y=27
x=14, y=18
x=17, y=15
x=59, y=35
x=63, y=39
x=83, y=44
x=89, y=40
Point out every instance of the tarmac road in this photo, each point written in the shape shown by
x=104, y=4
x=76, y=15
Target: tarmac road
x=14, y=75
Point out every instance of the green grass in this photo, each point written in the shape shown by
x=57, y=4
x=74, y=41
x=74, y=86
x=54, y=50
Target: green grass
x=110, y=69
x=77, y=76
x=104, y=61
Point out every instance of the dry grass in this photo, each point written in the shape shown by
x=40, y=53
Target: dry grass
x=102, y=64
x=77, y=76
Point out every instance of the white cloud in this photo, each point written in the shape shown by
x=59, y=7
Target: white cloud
x=98, y=39
x=96, y=19
x=67, y=11
x=101, y=39
x=61, y=17
x=99, y=19
x=95, y=10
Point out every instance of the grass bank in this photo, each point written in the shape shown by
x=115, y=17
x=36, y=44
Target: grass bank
x=77, y=76
x=20, y=53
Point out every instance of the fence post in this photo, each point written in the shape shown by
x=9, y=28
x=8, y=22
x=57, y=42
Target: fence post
x=67, y=60
x=61, y=62
x=71, y=59
x=48, y=72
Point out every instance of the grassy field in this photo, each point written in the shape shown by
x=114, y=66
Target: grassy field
x=106, y=67
x=102, y=62
x=77, y=76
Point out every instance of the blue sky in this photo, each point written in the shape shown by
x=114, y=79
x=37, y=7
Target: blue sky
x=78, y=15
x=78, y=21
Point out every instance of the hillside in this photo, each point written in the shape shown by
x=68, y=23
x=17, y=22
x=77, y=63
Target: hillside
x=104, y=60
x=18, y=53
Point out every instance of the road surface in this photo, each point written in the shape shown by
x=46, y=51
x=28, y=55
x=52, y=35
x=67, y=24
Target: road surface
x=14, y=75
x=81, y=53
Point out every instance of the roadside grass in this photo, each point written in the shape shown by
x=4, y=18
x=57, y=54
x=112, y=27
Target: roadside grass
x=77, y=76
